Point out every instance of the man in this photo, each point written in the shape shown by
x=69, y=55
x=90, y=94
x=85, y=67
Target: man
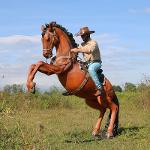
x=92, y=56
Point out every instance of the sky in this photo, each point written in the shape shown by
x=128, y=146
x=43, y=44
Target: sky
x=122, y=30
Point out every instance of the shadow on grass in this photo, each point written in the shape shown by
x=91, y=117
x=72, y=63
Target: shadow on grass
x=77, y=141
x=84, y=137
x=130, y=131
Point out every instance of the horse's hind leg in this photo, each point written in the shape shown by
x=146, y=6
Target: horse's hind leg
x=116, y=123
x=96, y=129
x=113, y=119
x=96, y=105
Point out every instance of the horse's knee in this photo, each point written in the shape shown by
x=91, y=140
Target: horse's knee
x=32, y=66
x=40, y=63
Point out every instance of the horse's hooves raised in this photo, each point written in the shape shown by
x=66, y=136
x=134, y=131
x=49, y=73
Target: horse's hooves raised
x=33, y=88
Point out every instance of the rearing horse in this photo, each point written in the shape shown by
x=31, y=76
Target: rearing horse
x=72, y=77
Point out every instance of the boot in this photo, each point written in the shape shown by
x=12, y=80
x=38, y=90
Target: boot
x=99, y=92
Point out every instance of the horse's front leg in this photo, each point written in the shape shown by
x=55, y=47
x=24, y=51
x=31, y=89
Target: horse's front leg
x=42, y=67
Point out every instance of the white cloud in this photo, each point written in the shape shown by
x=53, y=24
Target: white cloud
x=133, y=11
x=106, y=38
x=18, y=52
x=147, y=10
x=19, y=38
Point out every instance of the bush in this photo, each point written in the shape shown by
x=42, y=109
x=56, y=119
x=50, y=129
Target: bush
x=15, y=88
x=117, y=88
x=129, y=87
x=144, y=90
x=26, y=101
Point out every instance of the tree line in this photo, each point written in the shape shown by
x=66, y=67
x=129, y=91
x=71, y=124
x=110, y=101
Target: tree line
x=128, y=87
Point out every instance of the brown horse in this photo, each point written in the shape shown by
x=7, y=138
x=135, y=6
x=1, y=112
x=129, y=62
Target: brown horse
x=72, y=77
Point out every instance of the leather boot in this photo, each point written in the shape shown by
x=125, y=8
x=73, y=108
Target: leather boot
x=99, y=92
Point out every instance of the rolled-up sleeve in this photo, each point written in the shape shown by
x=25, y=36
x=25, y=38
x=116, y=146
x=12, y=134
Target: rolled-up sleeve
x=88, y=48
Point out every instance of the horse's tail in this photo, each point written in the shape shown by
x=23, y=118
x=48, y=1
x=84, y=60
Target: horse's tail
x=116, y=124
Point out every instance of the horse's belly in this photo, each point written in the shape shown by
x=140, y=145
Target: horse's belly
x=73, y=78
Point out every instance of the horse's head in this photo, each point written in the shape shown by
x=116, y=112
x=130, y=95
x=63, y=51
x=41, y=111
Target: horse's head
x=49, y=39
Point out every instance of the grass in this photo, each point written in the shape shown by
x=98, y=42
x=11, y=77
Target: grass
x=53, y=122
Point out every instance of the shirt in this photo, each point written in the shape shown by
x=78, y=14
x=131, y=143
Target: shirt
x=90, y=50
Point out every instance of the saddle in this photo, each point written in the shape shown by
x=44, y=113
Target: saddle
x=84, y=67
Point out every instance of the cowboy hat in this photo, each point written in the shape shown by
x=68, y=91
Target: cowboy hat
x=84, y=30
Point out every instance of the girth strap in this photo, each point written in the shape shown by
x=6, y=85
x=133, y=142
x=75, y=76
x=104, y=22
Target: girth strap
x=81, y=85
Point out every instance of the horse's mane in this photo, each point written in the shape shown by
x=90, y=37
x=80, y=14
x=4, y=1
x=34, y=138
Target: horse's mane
x=69, y=34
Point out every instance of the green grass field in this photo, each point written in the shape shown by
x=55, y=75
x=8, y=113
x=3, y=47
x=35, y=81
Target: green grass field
x=55, y=122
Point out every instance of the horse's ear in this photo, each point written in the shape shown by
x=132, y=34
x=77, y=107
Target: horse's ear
x=51, y=25
x=42, y=28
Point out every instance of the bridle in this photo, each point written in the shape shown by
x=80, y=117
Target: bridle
x=53, y=35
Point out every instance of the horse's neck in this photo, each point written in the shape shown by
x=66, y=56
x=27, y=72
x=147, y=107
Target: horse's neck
x=64, y=46
x=63, y=54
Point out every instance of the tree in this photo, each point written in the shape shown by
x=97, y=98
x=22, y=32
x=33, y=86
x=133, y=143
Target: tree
x=142, y=87
x=7, y=88
x=117, y=88
x=129, y=87
x=15, y=88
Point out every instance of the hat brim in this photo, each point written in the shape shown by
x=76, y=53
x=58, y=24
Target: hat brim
x=79, y=33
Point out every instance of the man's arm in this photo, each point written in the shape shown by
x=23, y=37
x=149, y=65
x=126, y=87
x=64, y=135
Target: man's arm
x=85, y=49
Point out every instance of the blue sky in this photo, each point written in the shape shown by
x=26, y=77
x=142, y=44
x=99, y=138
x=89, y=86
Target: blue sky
x=122, y=31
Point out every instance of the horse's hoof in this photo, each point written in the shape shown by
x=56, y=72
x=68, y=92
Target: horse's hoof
x=32, y=90
x=109, y=135
x=95, y=134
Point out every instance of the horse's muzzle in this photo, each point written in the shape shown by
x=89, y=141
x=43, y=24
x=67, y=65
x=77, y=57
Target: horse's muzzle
x=47, y=53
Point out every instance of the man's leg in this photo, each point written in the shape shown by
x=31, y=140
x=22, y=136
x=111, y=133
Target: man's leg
x=92, y=69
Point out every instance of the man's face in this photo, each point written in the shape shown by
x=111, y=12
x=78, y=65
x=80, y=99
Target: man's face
x=85, y=37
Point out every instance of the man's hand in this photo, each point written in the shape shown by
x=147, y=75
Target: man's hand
x=75, y=50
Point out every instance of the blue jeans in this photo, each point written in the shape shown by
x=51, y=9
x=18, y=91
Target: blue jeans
x=93, y=67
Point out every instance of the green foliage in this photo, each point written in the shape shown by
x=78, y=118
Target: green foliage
x=11, y=138
x=144, y=98
x=141, y=87
x=15, y=88
x=22, y=101
x=117, y=88
x=52, y=121
x=129, y=87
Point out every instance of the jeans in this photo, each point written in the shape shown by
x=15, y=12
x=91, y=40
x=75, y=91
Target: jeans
x=92, y=69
